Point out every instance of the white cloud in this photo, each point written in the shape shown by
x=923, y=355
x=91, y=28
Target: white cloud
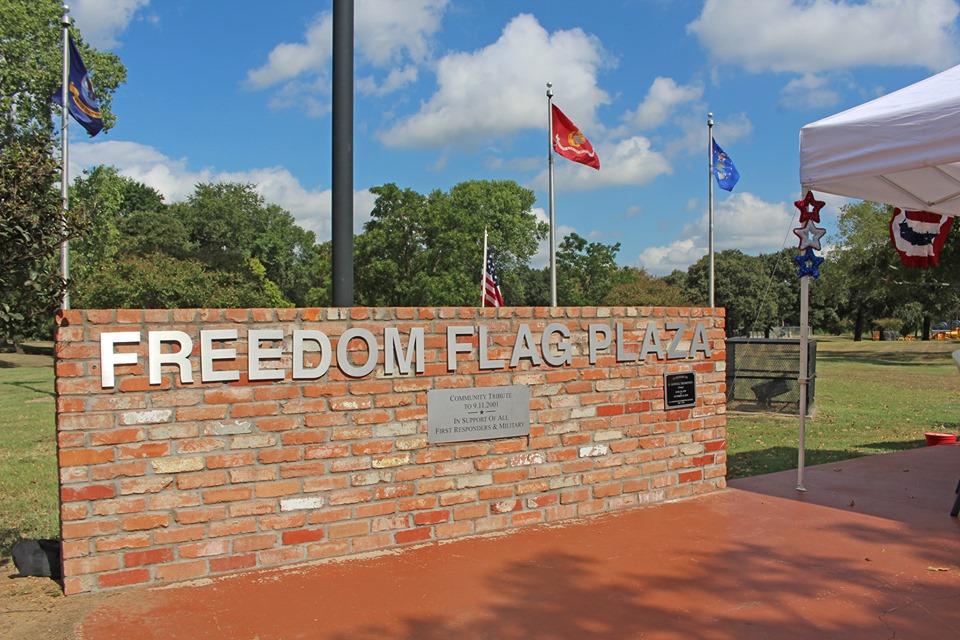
x=288, y=60
x=627, y=162
x=743, y=221
x=811, y=36
x=500, y=88
x=395, y=80
x=389, y=31
x=809, y=91
x=101, y=21
x=542, y=258
x=662, y=98
x=389, y=34
x=176, y=181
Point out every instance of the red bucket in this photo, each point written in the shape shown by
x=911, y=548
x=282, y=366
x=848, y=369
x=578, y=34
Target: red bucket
x=940, y=438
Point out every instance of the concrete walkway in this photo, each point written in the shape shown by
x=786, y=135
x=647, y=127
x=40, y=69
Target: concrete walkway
x=868, y=552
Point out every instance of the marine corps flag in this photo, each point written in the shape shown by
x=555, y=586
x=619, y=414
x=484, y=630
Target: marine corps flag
x=570, y=143
x=82, y=102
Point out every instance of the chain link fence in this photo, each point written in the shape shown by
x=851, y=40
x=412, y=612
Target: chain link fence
x=762, y=375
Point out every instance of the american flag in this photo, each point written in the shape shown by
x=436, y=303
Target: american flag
x=491, y=285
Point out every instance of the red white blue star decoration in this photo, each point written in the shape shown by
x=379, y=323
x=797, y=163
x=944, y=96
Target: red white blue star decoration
x=809, y=234
x=809, y=207
x=808, y=263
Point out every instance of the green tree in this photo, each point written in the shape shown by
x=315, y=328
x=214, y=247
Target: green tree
x=31, y=231
x=117, y=225
x=230, y=223
x=639, y=288
x=31, y=59
x=586, y=271
x=426, y=250
x=159, y=281
x=743, y=287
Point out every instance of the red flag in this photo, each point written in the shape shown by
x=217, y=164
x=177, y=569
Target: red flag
x=570, y=143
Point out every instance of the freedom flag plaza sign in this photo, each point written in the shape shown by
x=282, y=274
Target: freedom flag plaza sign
x=199, y=442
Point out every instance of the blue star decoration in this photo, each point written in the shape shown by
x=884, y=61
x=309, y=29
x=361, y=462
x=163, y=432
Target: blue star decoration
x=809, y=235
x=808, y=263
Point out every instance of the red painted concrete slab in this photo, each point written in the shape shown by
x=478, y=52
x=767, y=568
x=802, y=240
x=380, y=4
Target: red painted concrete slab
x=868, y=552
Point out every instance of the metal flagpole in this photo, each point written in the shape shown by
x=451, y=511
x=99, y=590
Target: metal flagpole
x=710, y=200
x=483, y=272
x=553, y=219
x=65, y=158
x=342, y=143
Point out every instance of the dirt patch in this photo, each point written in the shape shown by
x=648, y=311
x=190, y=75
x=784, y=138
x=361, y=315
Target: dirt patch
x=35, y=608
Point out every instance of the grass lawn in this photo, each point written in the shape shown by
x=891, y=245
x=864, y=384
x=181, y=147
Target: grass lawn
x=871, y=397
x=28, y=466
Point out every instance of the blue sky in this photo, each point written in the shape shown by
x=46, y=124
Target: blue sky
x=450, y=90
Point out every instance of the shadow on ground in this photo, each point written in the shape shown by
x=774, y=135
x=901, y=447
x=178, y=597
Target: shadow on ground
x=887, y=358
x=558, y=595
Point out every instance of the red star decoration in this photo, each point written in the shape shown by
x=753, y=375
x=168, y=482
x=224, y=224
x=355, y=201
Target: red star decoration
x=809, y=207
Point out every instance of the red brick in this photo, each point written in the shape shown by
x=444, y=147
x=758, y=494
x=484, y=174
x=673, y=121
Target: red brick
x=299, y=536
x=348, y=529
x=252, y=409
x=151, y=556
x=185, y=414
x=691, y=476
x=90, y=492
x=431, y=517
x=150, y=450
x=273, y=456
x=83, y=457
x=232, y=527
x=181, y=571
x=123, y=578
x=230, y=460
x=233, y=563
x=412, y=535
x=204, y=548
x=117, y=436
x=279, y=488
x=254, y=543
x=144, y=522
x=231, y=494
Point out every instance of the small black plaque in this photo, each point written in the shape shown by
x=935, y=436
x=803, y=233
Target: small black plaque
x=679, y=390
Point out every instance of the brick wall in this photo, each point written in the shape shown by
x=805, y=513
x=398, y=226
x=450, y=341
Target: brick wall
x=176, y=481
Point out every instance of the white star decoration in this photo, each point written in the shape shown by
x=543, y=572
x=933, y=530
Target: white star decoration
x=809, y=235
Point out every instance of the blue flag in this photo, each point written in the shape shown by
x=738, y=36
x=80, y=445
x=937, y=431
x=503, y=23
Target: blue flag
x=82, y=102
x=723, y=169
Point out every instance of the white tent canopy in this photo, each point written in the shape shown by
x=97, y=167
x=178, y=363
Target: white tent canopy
x=901, y=149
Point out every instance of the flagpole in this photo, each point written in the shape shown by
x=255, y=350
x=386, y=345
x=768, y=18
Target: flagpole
x=710, y=201
x=553, y=220
x=65, y=158
x=483, y=272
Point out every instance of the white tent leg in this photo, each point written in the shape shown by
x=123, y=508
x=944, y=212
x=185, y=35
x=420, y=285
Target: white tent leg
x=803, y=379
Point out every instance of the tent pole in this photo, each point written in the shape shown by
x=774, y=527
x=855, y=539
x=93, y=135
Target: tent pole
x=803, y=379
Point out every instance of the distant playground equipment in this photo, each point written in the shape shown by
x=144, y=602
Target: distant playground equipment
x=946, y=331
x=762, y=375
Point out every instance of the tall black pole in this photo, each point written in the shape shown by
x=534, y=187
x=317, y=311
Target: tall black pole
x=342, y=198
